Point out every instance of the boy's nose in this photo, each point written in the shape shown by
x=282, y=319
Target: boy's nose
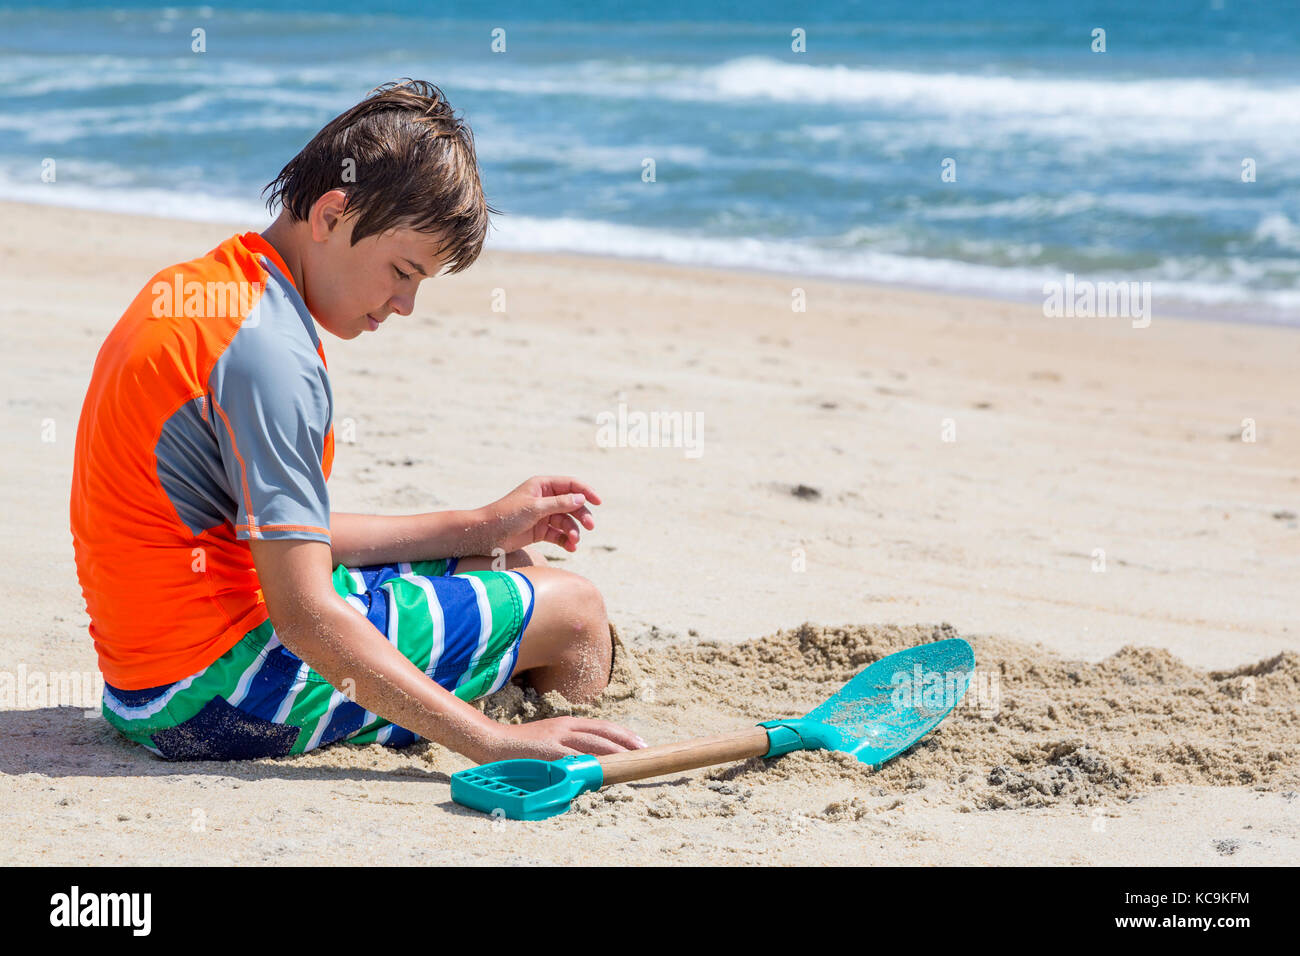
x=402, y=306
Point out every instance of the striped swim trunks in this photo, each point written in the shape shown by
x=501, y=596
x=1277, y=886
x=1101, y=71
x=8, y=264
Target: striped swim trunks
x=260, y=700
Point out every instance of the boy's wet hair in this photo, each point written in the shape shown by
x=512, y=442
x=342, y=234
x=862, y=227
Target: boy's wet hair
x=415, y=168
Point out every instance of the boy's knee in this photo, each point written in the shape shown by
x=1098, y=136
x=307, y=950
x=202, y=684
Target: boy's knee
x=590, y=652
x=588, y=604
x=571, y=642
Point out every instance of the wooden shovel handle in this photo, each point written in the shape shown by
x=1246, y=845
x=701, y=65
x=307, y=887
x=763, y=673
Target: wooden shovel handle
x=671, y=758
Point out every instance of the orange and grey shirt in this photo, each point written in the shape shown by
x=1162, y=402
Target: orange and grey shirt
x=208, y=421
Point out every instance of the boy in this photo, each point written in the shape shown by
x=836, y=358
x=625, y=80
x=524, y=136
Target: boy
x=233, y=614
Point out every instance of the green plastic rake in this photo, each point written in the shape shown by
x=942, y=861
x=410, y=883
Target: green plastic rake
x=876, y=716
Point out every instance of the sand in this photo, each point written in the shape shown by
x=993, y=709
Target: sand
x=1144, y=713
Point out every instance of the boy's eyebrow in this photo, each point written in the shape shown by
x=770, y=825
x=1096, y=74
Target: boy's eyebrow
x=416, y=266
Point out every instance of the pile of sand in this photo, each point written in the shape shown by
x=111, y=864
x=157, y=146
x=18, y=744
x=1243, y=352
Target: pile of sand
x=1034, y=730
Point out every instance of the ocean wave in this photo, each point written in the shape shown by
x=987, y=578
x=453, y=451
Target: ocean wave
x=912, y=109
x=1175, y=281
x=1238, y=102
x=134, y=199
x=1277, y=228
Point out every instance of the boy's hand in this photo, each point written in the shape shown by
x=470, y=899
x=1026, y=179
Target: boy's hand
x=543, y=508
x=559, y=737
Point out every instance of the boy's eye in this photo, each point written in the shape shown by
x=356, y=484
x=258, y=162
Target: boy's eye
x=400, y=273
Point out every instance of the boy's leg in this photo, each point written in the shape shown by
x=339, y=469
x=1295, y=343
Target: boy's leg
x=260, y=700
x=462, y=629
x=568, y=645
x=466, y=630
x=557, y=631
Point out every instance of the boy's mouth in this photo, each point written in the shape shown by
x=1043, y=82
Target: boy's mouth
x=374, y=323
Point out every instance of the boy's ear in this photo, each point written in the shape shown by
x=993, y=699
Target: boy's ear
x=327, y=212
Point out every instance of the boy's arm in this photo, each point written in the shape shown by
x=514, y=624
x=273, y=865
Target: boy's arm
x=357, y=540
x=326, y=632
x=544, y=508
x=315, y=623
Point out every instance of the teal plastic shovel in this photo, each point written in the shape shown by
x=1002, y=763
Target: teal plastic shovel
x=876, y=716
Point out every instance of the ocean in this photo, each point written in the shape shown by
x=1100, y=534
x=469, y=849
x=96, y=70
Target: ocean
x=1130, y=164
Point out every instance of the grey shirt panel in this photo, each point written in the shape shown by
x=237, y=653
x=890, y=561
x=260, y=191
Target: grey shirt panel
x=250, y=451
x=190, y=468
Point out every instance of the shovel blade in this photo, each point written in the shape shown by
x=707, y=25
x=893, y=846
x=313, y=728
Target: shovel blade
x=886, y=708
x=896, y=701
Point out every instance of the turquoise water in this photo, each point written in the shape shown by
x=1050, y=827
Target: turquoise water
x=1123, y=165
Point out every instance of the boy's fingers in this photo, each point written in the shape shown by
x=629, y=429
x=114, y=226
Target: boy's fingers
x=558, y=504
x=581, y=487
x=593, y=744
x=566, y=484
x=565, y=523
x=568, y=518
x=559, y=531
x=614, y=732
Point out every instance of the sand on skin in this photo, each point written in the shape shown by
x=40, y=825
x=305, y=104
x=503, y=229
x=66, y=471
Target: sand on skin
x=1071, y=436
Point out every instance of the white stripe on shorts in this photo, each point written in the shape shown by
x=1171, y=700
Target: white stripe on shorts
x=484, y=629
x=437, y=623
x=286, y=705
x=141, y=711
x=336, y=698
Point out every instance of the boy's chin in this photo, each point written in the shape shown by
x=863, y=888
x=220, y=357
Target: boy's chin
x=342, y=330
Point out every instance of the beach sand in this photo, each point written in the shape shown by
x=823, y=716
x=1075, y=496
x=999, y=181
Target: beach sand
x=1144, y=713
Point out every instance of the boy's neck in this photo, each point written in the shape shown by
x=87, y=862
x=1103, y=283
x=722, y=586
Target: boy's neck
x=284, y=238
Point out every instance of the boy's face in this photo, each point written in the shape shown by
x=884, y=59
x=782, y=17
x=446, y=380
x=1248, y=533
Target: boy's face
x=349, y=289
